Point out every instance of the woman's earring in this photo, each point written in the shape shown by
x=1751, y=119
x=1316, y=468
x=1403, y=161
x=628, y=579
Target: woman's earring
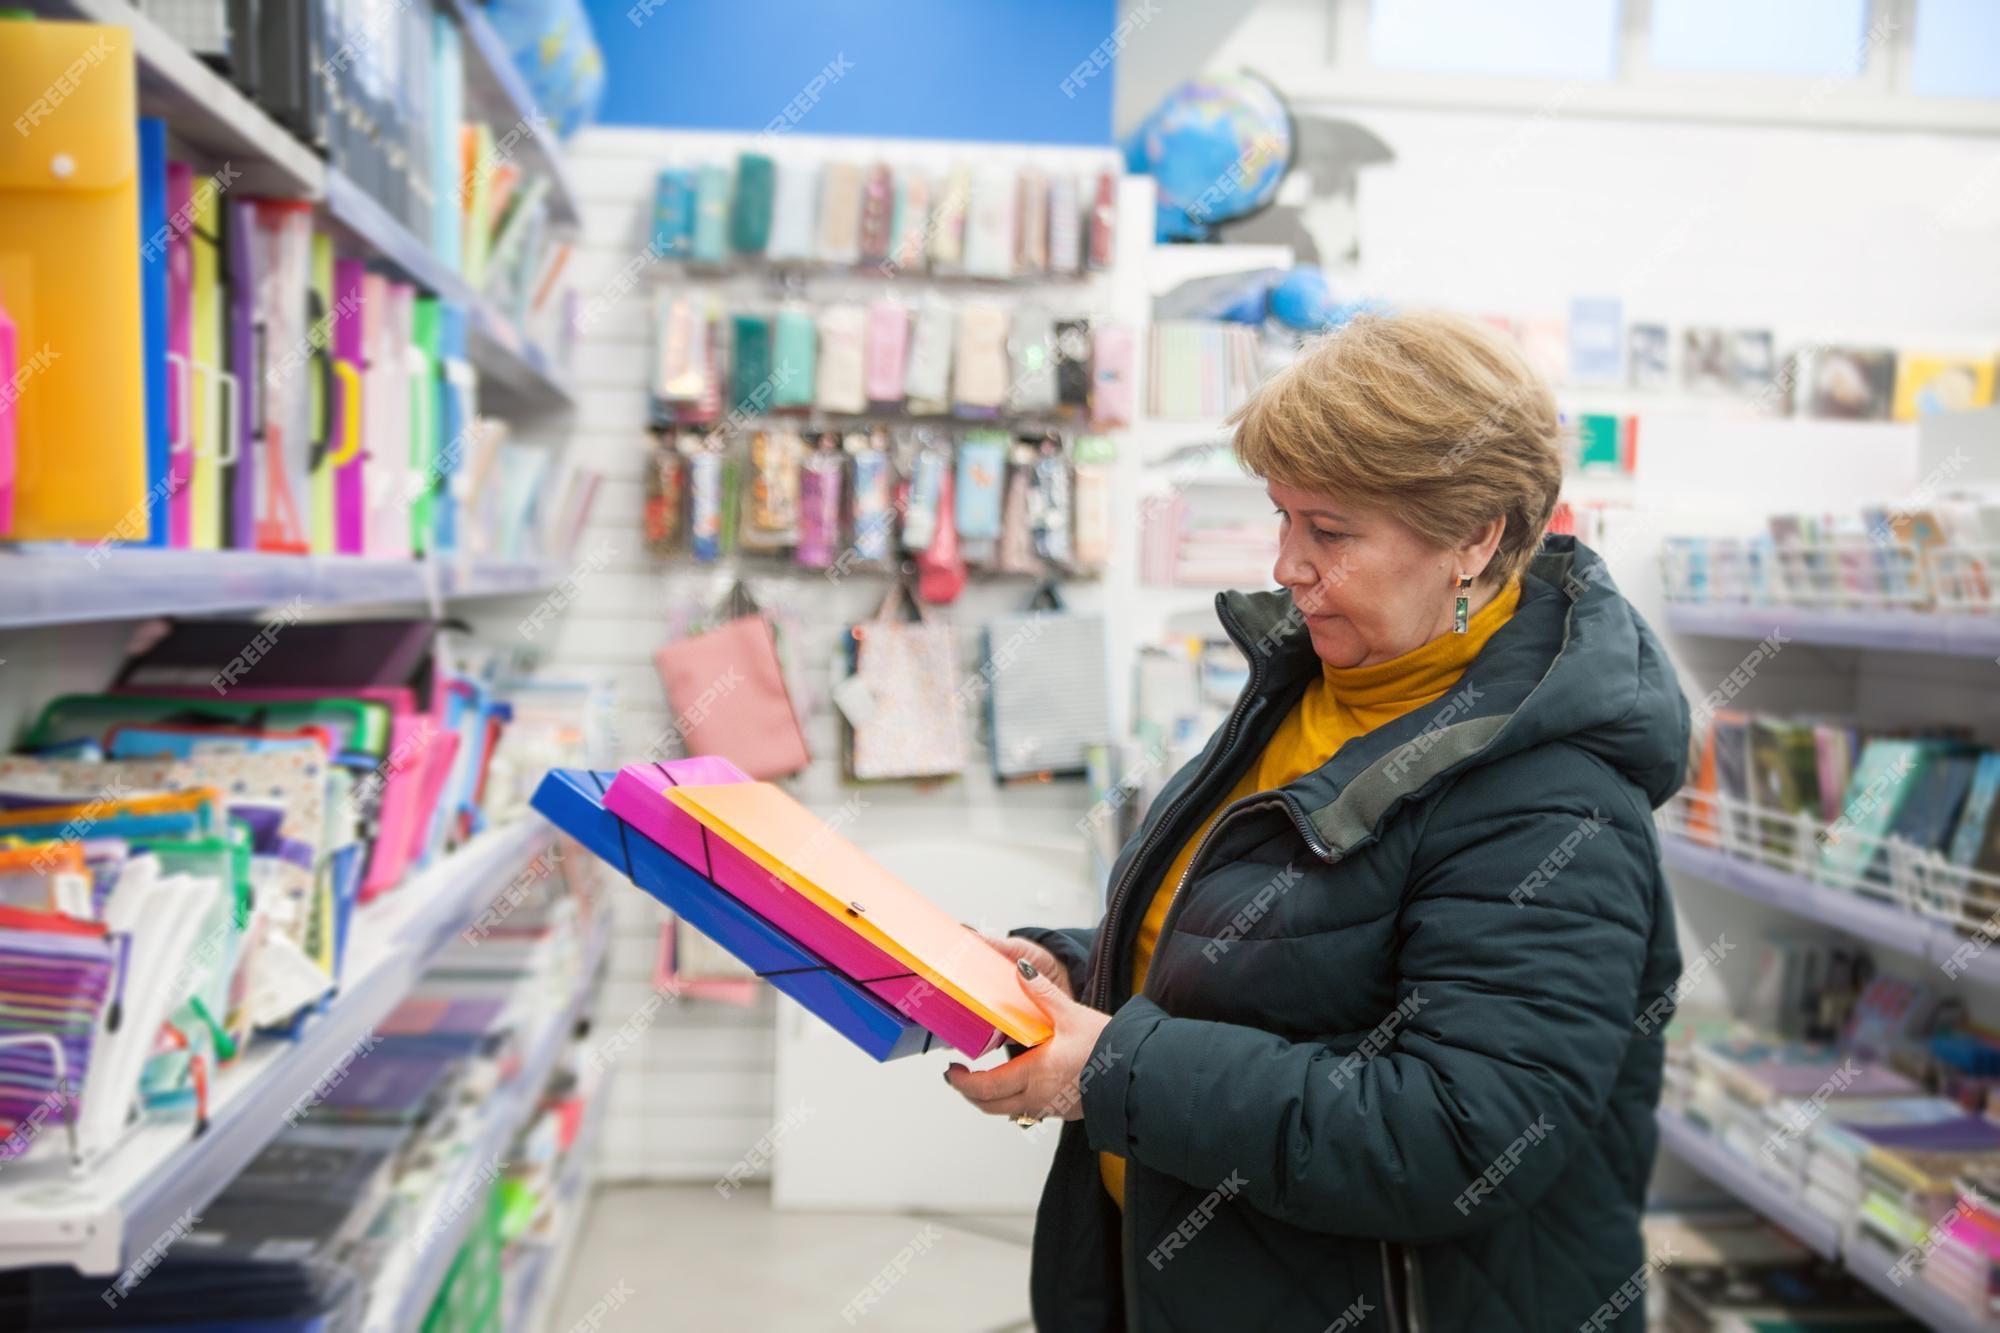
x=1461, y=606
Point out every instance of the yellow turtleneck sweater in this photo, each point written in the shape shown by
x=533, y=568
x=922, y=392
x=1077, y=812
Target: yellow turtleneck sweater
x=1343, y=703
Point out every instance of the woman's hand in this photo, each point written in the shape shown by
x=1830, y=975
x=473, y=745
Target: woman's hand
x=1044, y=962
x=1044, y=1081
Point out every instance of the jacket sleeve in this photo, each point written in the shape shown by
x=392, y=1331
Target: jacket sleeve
x=1071, y=948
x=1517, y=992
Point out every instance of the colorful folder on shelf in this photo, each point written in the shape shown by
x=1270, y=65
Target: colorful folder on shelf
x=179, y=357
x=351, y=349
x=70, y=279
x=936, y=993
x=212, y=388
x=573, y=799
x=154, y=305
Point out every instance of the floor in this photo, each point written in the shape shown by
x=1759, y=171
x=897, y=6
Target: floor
x=736, y=1264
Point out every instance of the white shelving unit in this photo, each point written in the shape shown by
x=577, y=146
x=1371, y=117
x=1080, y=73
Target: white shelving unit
x=100, y=1220
x=1898, y=631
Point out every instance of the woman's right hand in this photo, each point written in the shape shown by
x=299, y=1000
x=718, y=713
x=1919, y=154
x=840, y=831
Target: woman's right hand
x=1044, y=962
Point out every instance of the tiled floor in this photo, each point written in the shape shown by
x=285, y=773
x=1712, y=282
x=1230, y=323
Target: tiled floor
x=678, y=1257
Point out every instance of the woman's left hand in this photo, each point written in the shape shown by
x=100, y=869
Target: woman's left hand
x=1043, y=1081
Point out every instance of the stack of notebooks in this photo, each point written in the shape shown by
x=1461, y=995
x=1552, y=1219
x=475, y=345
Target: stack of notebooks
x=760, y=875
x=1200, y=370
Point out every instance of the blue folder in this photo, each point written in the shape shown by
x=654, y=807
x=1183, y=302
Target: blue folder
x=153, y=247
x=573, y=800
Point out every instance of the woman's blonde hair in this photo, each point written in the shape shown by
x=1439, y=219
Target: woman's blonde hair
x=1433, y=418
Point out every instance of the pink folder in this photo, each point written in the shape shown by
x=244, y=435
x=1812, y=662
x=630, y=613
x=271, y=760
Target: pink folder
x=636, y=797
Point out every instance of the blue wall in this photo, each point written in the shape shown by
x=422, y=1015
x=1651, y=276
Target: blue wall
x=929, y=69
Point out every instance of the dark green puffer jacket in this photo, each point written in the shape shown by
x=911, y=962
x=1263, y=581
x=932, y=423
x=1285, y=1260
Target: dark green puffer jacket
x=1385, y=1073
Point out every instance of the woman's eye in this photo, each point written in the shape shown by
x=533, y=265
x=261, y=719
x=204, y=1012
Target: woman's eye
x=1326, y=536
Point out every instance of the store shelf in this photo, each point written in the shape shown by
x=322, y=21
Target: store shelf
x=70, y=584
x=408, y=1292
x=99, y=1222
x=1688, y=1142
x=538, y=1295
x=1868, y=1261
x=1873, y=1263
x=1870, y=919
x=1898, y=631
x=1882, y=922
x=204, y=109
x=494, y=85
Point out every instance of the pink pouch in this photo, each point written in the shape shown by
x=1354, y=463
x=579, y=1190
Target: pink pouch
x=888, y=347
x=727, y=688
x=1111, y=388
x=635, y=798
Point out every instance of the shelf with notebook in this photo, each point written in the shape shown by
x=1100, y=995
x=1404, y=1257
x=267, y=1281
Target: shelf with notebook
x=495, y=86
x=100, y=1220
x=536, y=1291
x=54, y=585
x=1888, y=838
x=414, y=1274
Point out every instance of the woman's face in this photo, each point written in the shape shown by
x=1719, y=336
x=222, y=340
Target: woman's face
x=1369, y=588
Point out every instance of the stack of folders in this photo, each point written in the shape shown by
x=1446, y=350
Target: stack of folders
x=760, y=875
x=1200, y=370
x=208, y=372
x=184, y=854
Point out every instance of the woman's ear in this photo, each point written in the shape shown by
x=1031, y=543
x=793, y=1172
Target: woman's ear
x=1476, y=552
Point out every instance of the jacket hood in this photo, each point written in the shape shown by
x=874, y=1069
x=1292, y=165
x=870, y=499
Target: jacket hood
x=1574, y=664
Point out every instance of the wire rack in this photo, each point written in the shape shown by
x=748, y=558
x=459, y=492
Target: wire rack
x=1853, y=572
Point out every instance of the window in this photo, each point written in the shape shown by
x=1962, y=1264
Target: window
x=1956, y=50
x=1810, y=39
x=1547, y=39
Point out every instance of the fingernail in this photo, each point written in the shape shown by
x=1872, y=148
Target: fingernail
x=1027, y=968
x=947, y=1073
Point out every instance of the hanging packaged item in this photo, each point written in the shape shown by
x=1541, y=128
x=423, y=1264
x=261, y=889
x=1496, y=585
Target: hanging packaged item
x=680, y=356
x=1014, y=552
x=840, y=213
x=771, y=499
x=878, y=210
x=750, y=380
x=1031, y=222
x=704, y=483
x=727, y=689
x=927, y=375
x=794, y=212
x=941, y=565
x=1103, y=222
x=1050, y=502
x=819, y=502
x=1031, y=354
x=1065, y=225
x=923, y=492
x=888, y=350
x=982, y=466
x=947, y=231
x=874, y=499
x=979, y=360
x=841, y=382
x=665, y=472
x=795, y=359
x=903, y=719
x=1112, y=390
x=1094, y=456
x=673, y=214
x=1048, y=694
x=1073, y=344
x=989, y=224
x=709, y=244
x=750, y=211
x=910, y=227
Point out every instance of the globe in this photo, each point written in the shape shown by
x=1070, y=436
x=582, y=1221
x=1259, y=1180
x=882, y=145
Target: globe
x=1218, y=147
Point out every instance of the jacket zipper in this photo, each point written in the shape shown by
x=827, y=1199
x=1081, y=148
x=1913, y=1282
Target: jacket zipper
x=1413, y=1289
x=1396, y=1324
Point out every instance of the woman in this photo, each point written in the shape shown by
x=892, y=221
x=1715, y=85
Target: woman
x=1359, y=1041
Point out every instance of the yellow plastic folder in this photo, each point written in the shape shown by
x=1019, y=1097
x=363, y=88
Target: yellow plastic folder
x=69, y=277
x=789, y=841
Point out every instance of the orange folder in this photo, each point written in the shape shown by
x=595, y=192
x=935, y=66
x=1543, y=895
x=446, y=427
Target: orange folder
x=788, y=840
x=69, y=277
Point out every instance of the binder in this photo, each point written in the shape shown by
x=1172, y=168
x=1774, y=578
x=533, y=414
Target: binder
x=350, y=352
x=425, y=414
x=324, y=408
x=153, y=304
x=455, y=411
x=573, y=800
x=239, y=473
x=389, y=449
x=638, y=795
x=212, y=388
x=180, y=347
x=69, y=273
x=280, y=422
